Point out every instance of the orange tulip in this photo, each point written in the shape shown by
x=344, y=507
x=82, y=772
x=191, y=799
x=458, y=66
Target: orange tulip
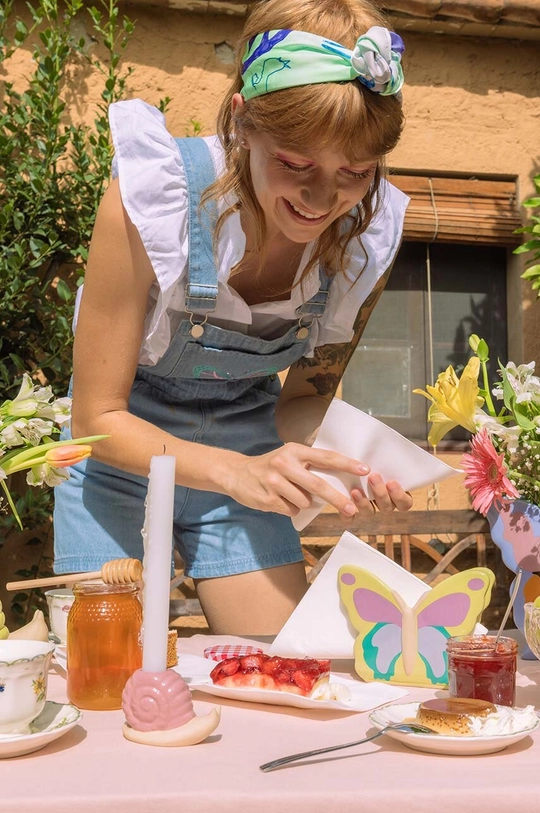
x=62, y=456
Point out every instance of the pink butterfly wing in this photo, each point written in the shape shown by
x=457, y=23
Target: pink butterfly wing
x=447, y=611
x=374, y=608
x=385, y=643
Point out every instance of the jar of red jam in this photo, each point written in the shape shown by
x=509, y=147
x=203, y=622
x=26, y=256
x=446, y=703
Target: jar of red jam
x=103, y=643
x=481, y=669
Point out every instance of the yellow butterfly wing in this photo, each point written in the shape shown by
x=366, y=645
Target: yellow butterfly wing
x=374, y=611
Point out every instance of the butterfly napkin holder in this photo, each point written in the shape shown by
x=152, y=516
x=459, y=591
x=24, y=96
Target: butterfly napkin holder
x=406, y=645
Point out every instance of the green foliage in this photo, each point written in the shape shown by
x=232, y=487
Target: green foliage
x=52, y=175
x=532, y=245
x=193, y=128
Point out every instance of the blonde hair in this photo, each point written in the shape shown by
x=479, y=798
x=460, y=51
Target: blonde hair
x=346, y=116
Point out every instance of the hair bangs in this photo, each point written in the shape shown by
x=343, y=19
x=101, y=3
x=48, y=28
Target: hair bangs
x=340, y=116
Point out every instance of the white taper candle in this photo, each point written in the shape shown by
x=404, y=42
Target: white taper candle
x=157, y=562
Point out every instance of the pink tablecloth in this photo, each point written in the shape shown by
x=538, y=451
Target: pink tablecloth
x=93, y=768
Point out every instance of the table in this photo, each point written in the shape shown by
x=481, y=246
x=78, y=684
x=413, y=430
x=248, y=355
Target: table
x=93, y=769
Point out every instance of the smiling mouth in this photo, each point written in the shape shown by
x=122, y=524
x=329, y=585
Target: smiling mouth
x=301, y=214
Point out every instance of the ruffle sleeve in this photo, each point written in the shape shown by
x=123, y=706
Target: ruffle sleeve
x=149, y=167
x=370, y=257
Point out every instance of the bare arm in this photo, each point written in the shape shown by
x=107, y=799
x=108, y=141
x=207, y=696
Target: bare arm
x=107, y=344
x=312, y=382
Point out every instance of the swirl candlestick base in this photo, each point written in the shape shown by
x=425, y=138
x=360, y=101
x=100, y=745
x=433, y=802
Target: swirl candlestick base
x=159, y=711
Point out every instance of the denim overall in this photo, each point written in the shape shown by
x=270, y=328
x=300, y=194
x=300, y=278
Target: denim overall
x=213, y=386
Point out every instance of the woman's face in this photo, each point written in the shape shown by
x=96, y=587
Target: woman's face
x=301, y=193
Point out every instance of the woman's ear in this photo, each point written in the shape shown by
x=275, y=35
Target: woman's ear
x=237, y=103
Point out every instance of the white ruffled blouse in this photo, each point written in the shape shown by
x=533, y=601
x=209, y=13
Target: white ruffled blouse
x=154, y=193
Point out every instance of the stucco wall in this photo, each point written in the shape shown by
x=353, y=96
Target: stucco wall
x=472, y=105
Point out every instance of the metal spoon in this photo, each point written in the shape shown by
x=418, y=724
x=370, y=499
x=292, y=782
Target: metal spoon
x=408, y=728
x=509, y=607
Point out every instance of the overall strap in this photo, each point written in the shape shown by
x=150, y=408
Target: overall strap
x=316, y=305
x=201, y=286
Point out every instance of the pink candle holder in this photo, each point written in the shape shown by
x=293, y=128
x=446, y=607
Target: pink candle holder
x=159, y=711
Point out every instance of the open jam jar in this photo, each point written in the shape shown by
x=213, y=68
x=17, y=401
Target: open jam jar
x=480, y=669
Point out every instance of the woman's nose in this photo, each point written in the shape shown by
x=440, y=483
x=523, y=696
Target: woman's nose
x=320, y=195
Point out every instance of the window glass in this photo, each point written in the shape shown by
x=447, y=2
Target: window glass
x=468, y=295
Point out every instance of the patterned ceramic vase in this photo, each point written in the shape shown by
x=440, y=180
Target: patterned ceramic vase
x=515, y=529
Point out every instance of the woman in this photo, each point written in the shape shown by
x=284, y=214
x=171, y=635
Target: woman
x=215, y=264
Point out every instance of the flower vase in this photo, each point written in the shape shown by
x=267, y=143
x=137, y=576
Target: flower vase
x=515, y=529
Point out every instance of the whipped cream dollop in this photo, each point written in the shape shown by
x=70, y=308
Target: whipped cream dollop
x=331, y=691
x=505, y=720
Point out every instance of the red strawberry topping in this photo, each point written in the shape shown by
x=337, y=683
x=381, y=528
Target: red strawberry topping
x=297, y=675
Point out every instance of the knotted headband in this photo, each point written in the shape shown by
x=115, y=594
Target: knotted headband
x=283, y=58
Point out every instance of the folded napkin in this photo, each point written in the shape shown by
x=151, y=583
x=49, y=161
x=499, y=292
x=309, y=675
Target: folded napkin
x=352, y=432
x=319, y=627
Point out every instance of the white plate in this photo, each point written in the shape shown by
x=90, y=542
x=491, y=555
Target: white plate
x=364, y=696
x=54, y=721
x=442, y=743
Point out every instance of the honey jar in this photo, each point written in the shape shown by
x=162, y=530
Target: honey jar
x=103, y=643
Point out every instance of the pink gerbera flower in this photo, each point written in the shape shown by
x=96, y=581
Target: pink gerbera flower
x=486, y=473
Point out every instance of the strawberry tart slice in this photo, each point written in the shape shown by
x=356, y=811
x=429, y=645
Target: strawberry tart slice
x=257, y=671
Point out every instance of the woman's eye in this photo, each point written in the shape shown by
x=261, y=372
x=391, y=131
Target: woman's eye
x=293, y=167
x=360, y=175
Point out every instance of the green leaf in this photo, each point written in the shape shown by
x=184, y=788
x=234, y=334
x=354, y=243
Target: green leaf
x=509, y=396
x=531, y=272
x=63, y=290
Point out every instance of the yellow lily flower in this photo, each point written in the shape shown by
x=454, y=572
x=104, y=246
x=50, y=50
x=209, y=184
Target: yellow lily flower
x=454, y=400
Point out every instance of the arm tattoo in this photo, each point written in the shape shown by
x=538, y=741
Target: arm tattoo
x=331, y=360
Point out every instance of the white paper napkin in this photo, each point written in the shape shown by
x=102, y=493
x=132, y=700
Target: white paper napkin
x=319, y=627
x=352, y=432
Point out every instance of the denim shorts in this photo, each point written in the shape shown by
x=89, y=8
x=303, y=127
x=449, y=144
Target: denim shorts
x=99, y=511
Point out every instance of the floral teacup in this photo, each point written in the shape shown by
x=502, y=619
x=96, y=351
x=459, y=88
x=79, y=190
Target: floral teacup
x=24, y=667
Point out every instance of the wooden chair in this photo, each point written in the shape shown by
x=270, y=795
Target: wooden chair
x=393, y=533
x=402, y=531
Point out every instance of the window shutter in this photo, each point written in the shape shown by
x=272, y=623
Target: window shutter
x=460, y=210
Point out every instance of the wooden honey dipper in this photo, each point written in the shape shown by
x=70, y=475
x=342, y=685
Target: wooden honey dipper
x=117, y=571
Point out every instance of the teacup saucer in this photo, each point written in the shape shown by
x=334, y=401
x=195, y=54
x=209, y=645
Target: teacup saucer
x=54, y=721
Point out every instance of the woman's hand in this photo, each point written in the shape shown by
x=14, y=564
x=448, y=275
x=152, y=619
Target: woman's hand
x=387, y=497
x=281, y=481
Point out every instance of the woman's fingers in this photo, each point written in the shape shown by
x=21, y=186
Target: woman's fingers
x=401, y=498
x=381, y=496
x=387, y=497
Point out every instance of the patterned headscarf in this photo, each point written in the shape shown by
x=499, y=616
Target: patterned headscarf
x=283, y=58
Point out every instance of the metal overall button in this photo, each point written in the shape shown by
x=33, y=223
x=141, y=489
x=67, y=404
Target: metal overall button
x=303, y=330
x=197, y=328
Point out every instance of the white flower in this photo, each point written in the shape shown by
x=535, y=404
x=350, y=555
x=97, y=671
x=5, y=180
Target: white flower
x=36, y=429
x=509, y=435
x=62, y=410
x=525, y=385
x=38, y=475
x=11, y=434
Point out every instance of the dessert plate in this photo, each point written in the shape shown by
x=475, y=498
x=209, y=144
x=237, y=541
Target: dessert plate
x=364, y=696
x=443, y=743
x=54, y=721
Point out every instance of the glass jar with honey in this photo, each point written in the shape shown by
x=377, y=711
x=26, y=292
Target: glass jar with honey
x=103, y=643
